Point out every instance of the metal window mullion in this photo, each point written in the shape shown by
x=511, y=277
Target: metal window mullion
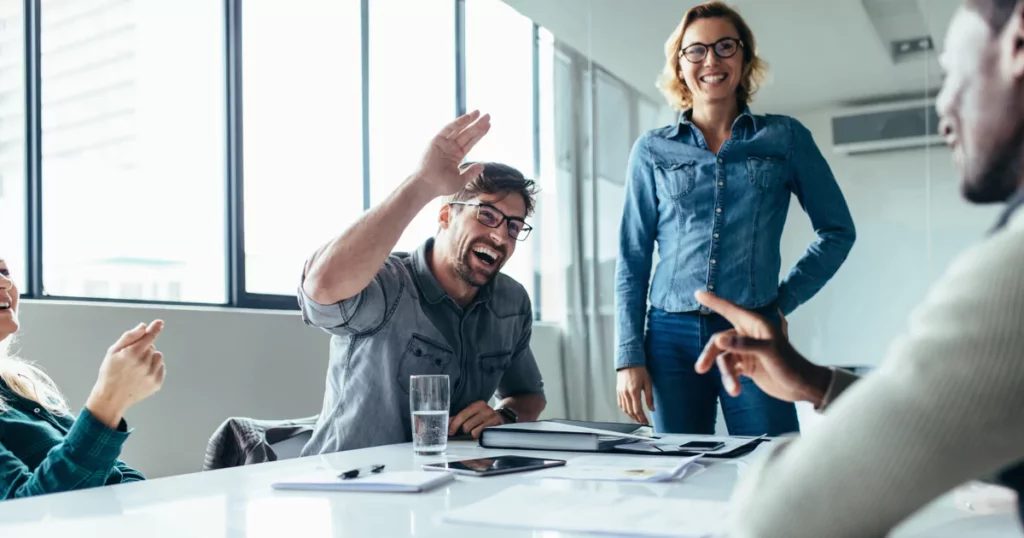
x=33, y=149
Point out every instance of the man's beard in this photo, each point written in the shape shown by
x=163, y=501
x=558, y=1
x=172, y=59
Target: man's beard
x=468, y=275
x=998, y=177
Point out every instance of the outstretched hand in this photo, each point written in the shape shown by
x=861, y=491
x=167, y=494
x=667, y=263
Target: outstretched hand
x=759, y=350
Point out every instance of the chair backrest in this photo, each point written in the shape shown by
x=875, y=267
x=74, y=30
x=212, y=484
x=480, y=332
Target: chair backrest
x=292, y=446
x=244, y=441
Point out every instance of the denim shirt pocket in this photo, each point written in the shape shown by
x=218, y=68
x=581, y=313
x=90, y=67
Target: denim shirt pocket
x=424, y=356
x=492, y=367
x=767, y=172
x=674, y=179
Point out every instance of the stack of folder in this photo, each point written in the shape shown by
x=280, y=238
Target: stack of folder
x=580, y=436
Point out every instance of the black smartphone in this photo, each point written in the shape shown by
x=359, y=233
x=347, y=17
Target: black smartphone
x=494, y=466
x=707, y=446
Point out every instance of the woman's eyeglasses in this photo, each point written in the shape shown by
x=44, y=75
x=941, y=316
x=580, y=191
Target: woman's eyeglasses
x=724, y=48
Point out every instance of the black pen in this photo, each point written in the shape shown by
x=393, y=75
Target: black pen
x=360, y=471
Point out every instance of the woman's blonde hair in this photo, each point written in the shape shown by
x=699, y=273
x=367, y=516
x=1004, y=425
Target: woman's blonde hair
x=29, y=381
x=671, y=83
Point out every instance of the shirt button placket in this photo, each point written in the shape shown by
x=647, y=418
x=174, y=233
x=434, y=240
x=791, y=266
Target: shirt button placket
x=719, y=195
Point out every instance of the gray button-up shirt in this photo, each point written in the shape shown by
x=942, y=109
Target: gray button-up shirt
x=402, y=324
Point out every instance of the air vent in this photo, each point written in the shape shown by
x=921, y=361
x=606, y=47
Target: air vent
x=886, y=127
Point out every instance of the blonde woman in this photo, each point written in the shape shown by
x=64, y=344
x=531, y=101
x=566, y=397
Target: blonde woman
x=46, y=449
x=713, y=191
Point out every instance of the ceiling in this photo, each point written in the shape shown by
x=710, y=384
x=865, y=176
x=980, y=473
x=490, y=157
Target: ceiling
x=821, y=53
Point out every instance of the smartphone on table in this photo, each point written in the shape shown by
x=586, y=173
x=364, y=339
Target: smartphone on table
x=494, y=466
x=702, y=446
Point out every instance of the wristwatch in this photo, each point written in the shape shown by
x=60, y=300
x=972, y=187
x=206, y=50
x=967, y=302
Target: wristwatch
x=510, y=416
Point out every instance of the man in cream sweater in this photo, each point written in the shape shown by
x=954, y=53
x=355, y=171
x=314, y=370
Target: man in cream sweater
x=947, y=404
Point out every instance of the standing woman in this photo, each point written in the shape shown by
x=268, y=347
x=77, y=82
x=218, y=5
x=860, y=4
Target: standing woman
x=713, y=191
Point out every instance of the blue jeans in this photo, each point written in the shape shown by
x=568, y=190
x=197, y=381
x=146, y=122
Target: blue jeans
x=685, y=401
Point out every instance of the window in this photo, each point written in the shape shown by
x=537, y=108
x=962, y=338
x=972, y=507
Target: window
x=133, y=149
x=613, y=138
x=134, y=188
x=649, y=116
x=499, y=81
x=555, y=101
x=412, y=95
x=303, y=149
x=12, y=138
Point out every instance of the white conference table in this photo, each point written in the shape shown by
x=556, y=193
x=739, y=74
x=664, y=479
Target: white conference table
x=239, y=502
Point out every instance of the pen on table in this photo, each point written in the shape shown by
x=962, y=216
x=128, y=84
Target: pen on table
x=360, y=471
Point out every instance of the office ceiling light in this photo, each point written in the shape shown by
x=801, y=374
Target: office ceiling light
x=902, y=28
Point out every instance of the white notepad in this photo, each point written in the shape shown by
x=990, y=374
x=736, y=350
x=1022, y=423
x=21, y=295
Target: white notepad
x=396, y=482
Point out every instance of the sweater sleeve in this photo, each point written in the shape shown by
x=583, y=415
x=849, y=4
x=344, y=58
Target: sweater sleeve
x=943, y=408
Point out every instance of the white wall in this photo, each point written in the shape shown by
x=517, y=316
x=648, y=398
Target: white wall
x=635, y=55
x=220, y=363
x=849, y=59
x=911, y=221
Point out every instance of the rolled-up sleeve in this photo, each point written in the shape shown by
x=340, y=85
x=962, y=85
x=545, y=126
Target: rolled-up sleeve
x=361, y=313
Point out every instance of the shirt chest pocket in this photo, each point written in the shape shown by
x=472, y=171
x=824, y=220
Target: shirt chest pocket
x=492, y=368
x=767, y=172
x=423, y=356
x=674, y=179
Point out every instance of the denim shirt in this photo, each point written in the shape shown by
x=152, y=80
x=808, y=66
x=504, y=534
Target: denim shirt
x=718, y=221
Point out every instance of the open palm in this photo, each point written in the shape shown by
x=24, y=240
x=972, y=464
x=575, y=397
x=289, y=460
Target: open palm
x=441, y=162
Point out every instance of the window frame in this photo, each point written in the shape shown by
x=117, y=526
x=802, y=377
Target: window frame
x=234, y=173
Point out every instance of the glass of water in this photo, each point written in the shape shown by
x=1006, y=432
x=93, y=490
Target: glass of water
x=428, y=401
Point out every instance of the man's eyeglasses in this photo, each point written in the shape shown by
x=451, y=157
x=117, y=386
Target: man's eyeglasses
x=724, y=48
x=489, y=216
